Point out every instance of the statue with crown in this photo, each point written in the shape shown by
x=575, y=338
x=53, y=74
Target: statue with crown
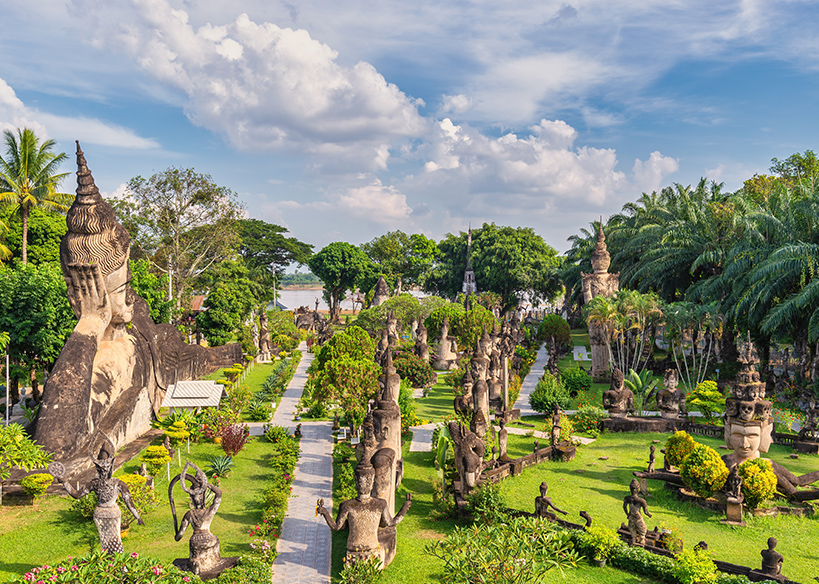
x=112, y=373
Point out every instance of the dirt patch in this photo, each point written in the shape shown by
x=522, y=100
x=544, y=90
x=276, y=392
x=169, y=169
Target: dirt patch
x=429, y=534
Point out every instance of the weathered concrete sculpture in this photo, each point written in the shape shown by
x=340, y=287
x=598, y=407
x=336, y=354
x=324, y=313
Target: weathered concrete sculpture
x=733, y=498
x=264, y=336
x=107, y=514
x=382, y=348
x=633, y=505
x=392, y=329
x=771, y=559
x=114, y=369
x=463, y=403
x=543, y=503
x=748, y=427
x=447, y=356
x=480, y=395
x=421, y=347
x=205, y=558
x=382, y=292
x=671, y=400
x=469, y=452
x=503, y=442
x=365, y=515
x=599, y=283
x=808, y=439
x=618, y=399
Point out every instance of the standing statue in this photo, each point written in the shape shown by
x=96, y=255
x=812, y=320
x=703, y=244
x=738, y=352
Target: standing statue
x=633, y=504
x=447, y=356
x=421, y=347
x=651, y=457
x=365, y=514
x=204, y=546
x=503, y=441
x=599, y=283
x=543, y=503
x=733, y=485
x=115, y=367
x=264, y=336
x=469, y=451
x=555, y=435
x=107, y=514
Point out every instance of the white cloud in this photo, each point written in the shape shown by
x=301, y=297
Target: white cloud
x=376, y=202
x=456, y=104
x=266, y=87
x=46, y=125
x=649, y=175
x=521, y=173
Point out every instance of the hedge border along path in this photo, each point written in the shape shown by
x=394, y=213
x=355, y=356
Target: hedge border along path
x=304, y=545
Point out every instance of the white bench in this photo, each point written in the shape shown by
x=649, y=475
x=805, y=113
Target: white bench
x=581, y=353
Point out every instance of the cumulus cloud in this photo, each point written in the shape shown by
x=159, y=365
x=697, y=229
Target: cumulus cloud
x=456, y=104
x=649, y=175
x=527, y=172
x=376, y=202
x=46, y=125
x=266, y=87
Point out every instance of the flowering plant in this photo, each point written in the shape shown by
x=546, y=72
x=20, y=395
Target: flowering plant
x=264, y=550
x=99, y=566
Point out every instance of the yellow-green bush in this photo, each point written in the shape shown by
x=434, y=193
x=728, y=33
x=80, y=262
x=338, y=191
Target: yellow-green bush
x=155, y=457
x=678, y=447
x=758, y=481
x=703, y=471
x=36, y=484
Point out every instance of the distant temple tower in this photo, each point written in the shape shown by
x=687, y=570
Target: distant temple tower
x=599, y=283
x=469, y=286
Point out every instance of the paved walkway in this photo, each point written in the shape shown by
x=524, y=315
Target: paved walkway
x=304, y=545
x=530, y=382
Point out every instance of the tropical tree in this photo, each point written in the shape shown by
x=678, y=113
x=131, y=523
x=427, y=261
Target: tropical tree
x=342, y=267
x=17, y=450
x=402, y=259
x=182, y=222
x=692, y=332
x=29, y=178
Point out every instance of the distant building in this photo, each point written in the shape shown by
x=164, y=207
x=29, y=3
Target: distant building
x=470, y=286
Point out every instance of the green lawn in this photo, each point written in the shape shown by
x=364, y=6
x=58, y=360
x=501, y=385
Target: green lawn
x=48, y=532
x=437, y=405
x=598, y=486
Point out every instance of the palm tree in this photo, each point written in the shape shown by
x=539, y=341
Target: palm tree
x=28, y=177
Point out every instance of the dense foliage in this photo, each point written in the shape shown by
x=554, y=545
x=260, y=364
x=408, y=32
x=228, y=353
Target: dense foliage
x=678, y=446
x=758, y=481
x=703, y=471
x=549, y=395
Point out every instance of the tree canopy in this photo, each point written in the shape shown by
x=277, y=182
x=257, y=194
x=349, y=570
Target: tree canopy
x=402, y=259
x=342, y=267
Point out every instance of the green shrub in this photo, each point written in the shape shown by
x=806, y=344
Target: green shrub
x=695, y=567
x=36, y=484
x=220, y=466
x=758, y=481
x=549, y=395
x=703, y=471
x=276, y=434
x=284, y=342
x=637, y=560
x=362, y=572
x=84, y=506
x=177, y=432
x=601, y=540
x=416, y=371
x=678, y=446
x=588, y=418
x=342, y=450
x=250, y=570
x=553, y=325
x=346, y=483
x=259, y=412
x=503, y=552
x=576, y=381
x=487, y=504
x=406, y=403
x=155, y=457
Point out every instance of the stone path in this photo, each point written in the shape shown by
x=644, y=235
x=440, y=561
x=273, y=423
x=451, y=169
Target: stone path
x=422, y=438
x=304, y=545
x=530, y=382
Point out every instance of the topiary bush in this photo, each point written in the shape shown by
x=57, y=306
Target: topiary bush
x=758, y=481
x=576, y=381
x=549, y=395
x=142, y=495
x=553, y=325
x=155, y=457
x=708, y=399
x=678, y=446
x=703, y=471
x=566, y=427
x=587, y=419
x=600, y=541
x=416, y=371
x=36, y=485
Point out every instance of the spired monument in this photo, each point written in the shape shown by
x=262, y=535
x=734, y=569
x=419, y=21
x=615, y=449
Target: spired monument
x=599, y=283
x=112, y=373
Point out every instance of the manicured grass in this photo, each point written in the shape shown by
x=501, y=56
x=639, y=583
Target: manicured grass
x=598, y=486
x=49, y=532
x=437, y=405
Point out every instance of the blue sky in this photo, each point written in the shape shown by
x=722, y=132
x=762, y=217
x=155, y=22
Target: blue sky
x=343, y=120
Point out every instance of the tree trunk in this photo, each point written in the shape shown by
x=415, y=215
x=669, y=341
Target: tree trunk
x=35, y=385
x=14, y=389
x=25, y=234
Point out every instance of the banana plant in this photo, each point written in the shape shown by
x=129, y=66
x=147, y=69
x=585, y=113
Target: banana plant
x=643, y=386
x=443, y=448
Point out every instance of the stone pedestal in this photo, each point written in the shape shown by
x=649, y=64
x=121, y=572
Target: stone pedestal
x=733, y=513
x=643, y=425
x=210, y=573
x=564, y=452
x=806, y=447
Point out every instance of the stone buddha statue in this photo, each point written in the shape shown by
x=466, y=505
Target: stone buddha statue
x=618, y=399
x=671, y=400
x=113, y=371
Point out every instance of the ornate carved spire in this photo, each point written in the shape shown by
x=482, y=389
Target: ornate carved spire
x=600, y=258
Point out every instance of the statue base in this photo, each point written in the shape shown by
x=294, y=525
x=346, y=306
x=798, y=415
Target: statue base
x=640, y=425
x=564, y=452
x=733, y=513
x=508, y=415
x=224, y=564
x=806, y=447
x=760, y=576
